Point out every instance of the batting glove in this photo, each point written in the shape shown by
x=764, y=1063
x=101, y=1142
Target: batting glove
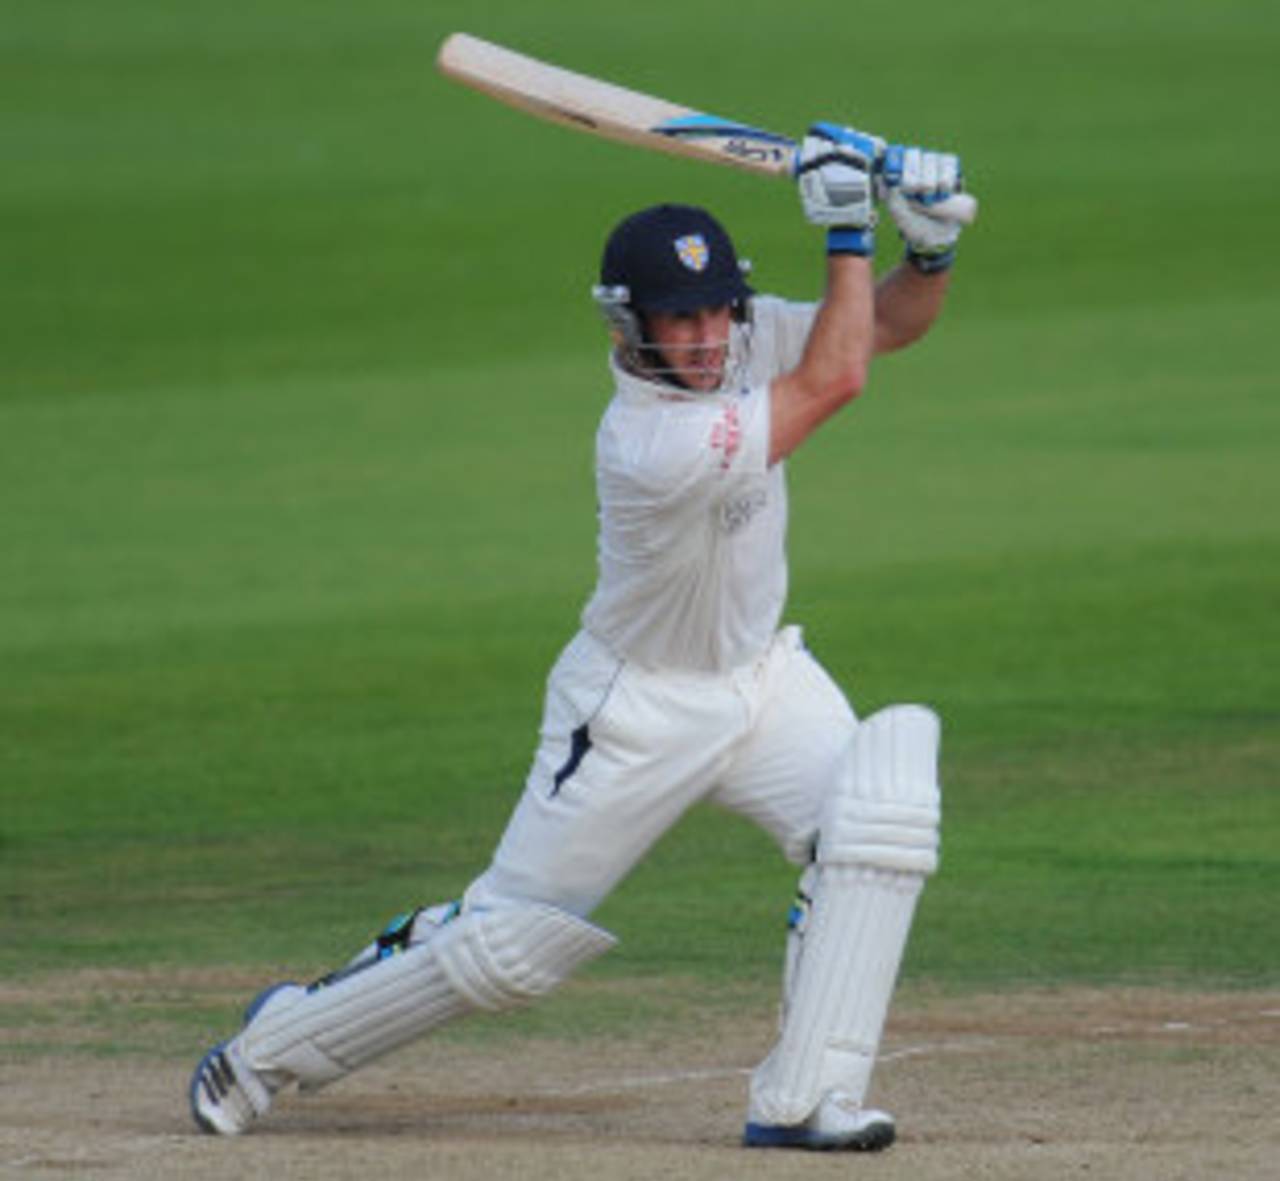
x=835, y=170
x=912, y=179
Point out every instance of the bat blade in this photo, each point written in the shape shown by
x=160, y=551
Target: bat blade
x=628, y=116
x=605, y=109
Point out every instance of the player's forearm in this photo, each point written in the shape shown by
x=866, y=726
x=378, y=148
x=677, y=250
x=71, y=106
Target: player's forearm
x=907, y=302
x=839, y=348
x=834, y=175
x=913, y=182
x=833, y=367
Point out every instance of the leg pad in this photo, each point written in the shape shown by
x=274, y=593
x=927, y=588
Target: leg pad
x=877, y=842
x=492, y=960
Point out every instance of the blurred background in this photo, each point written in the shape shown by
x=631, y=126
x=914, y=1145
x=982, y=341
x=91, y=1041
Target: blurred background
x=298, y=380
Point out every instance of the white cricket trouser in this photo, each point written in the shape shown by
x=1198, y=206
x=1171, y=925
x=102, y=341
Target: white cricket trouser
x=626, y=751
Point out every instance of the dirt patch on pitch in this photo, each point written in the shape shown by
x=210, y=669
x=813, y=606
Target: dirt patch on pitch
x=1135, y=1085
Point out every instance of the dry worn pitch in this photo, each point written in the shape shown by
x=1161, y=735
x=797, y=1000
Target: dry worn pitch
x=1116, y=1084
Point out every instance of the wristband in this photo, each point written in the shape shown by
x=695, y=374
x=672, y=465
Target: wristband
x=932, y=264
x=844, y=240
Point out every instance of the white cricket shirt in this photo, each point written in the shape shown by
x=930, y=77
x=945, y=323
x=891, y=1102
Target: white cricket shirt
x=692, y=520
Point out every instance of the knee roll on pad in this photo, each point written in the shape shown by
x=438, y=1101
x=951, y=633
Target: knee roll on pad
x=886, y=810
x=503, y=958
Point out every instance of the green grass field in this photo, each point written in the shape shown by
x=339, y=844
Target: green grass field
x=298, y=387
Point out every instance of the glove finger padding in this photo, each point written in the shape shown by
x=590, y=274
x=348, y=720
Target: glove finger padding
x=918, y=172
x=949, y=174
x=922, y=233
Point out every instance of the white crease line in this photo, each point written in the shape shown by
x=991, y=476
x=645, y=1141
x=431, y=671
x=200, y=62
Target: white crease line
x=719, y=1074
x=639, y=1082
x=931, y=1047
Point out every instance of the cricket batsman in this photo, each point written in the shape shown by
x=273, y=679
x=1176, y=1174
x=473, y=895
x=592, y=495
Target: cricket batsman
x=682, y=684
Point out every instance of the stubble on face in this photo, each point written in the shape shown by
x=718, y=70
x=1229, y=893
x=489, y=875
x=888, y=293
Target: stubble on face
x=692, y=346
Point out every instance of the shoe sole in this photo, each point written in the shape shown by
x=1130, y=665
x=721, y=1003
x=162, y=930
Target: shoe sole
x=874, y=1137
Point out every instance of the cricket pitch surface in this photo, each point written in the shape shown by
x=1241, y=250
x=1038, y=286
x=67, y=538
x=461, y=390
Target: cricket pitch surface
x=1123, y=1084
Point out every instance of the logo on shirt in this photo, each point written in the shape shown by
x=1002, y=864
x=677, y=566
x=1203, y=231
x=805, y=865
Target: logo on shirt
x=693, y=252
x=737, y=513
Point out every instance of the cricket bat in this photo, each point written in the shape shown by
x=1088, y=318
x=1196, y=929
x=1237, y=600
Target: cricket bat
x=614, y=112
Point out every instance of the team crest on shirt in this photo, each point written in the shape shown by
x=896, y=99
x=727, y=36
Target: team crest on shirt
x=692, y=250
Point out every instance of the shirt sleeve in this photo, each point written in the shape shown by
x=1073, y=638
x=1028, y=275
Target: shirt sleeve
x=782, y=329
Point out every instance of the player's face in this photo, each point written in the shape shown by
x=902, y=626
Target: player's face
x=693, y=345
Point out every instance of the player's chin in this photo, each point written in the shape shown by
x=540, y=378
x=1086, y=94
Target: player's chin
x=704, y=378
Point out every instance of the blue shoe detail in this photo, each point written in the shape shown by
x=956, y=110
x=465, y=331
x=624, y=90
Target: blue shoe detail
x=873, y=1138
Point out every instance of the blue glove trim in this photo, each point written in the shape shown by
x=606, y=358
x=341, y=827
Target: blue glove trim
x=891, y=165
x=850, y=137
x=843, y=240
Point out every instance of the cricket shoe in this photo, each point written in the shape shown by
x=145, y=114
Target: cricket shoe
x=226, y=1093
x=838, y=1125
